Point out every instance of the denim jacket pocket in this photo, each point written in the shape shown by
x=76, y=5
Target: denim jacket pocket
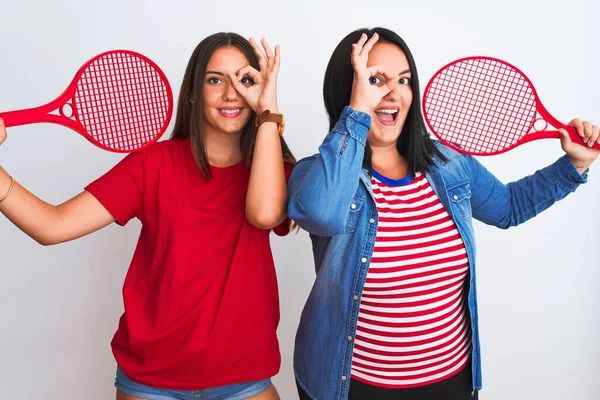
x=459, y=194
x=354, y=213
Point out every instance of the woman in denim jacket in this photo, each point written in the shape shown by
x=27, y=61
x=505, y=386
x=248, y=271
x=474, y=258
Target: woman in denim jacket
x=393, y=311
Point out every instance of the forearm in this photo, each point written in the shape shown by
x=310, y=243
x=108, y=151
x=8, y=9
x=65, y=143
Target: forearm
x=322, y=190
x=266, y=200
x=48, y=224
x=512, y=204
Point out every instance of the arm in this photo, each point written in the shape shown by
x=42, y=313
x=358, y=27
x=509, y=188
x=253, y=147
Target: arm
x=120, y=200
x=509, y=205
x=322, y=188
x=266, y=198
x=48, y=224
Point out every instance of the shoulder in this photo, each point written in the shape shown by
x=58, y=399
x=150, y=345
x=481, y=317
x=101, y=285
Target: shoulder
x=449, y=153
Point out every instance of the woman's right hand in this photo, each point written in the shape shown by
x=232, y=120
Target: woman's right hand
x=370, y=84
x=2, y=131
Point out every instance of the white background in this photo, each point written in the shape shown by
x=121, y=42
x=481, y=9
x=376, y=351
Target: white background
x=538, y=283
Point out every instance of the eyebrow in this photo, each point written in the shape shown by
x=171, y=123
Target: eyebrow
x=215, y=73
x=406, y=71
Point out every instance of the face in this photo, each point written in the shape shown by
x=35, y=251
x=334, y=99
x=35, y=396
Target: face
x=224, y=109
x=390, y=115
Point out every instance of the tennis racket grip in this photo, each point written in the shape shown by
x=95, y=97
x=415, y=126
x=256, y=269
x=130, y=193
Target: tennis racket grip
x=575, y=138
x=28, y=116
x=21, y=117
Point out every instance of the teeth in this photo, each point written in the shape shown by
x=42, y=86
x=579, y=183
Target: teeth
x=231, y=111
x=387, y=111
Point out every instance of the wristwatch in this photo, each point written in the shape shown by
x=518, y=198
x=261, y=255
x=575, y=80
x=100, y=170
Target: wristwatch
x=268, y=116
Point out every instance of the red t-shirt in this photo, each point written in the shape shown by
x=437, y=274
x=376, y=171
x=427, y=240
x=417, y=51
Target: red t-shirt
x=201, y=300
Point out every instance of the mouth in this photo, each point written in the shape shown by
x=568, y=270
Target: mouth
x=387, y=115
x=230, y=112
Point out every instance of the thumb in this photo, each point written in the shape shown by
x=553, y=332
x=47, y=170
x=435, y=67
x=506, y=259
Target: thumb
x=2, y=131
x=565, y=139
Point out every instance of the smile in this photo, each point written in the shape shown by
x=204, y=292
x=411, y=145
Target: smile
x=230, y=112
x=387, y=116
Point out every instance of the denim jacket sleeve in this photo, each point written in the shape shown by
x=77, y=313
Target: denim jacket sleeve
x=509, y=205
x=322, y=187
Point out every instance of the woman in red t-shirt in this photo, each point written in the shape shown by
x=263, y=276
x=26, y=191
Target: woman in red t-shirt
x=200, y=295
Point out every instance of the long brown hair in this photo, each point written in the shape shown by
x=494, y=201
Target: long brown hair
x=189, y=119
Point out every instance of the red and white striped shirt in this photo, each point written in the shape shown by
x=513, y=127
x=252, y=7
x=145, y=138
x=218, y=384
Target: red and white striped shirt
x=413, y=326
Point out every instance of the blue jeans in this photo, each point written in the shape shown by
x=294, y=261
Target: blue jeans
x=237, y=391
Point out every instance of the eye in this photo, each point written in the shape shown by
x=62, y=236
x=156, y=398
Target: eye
x=247, y=81
x=404, y=81
x=376, y=80
x=213, y=80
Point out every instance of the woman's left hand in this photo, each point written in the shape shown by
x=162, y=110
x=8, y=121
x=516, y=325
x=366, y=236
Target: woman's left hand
x=582, y=156
x=262, y=94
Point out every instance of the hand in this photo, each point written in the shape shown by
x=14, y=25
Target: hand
x=262, y=94
x=3, y=135
x=370, y=84
x=581, y=156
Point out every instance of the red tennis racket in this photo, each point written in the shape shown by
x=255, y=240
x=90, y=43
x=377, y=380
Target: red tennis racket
x=119, y=100
x=485, y=106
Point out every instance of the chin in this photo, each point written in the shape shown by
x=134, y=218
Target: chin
x=386, y=136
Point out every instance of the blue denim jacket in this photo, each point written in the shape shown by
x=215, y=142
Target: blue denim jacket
x=331, y=197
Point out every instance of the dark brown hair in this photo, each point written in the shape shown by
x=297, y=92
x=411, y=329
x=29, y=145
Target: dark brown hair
x=189, y=120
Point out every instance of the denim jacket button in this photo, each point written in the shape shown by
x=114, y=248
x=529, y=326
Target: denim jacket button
x=455, y=197
x=349, y=338
x=344, y=378
x=355, y=297
x=363, y=260
x=353, y=206
x=372, y=220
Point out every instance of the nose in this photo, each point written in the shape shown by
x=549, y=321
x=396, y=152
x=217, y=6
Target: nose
x=230, y=94
x=396, y=93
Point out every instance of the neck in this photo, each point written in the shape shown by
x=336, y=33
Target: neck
x=223, y=148
x=388, y=162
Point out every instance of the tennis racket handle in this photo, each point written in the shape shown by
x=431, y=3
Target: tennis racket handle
x=575, y=138
x=21, y=117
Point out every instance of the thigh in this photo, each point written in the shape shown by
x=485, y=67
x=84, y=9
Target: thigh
x=255, y=390
x=123, y=396
x=269, y=394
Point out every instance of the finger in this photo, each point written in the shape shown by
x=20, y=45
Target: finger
x=355, y=55
x=277, y=59
x=369, y=45
x=267, y=48
x=269, y=52
x=595, y=135
x=237, y=85
x=262, y=60
x=578, y=125
x=250, y=72
x=375, y=70
x=361, y=42
x=587, y=132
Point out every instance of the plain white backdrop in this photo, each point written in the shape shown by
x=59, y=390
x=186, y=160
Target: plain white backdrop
x=538, y=283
